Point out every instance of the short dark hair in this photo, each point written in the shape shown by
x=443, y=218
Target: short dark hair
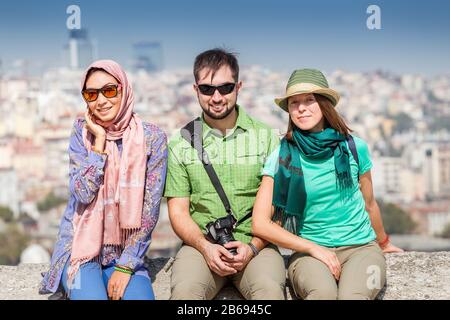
x=214, y=59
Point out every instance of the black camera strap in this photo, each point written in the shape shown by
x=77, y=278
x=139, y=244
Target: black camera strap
x=193, y=133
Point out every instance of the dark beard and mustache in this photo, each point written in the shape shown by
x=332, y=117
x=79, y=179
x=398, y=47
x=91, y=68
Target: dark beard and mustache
x=220, y=116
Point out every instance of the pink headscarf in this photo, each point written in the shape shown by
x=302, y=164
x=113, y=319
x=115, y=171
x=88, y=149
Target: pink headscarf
x=116, y=211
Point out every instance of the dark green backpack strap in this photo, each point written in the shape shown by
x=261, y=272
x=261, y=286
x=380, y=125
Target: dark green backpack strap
x=352, y=147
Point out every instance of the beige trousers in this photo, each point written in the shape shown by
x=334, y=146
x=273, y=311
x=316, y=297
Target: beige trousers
x=264, y=276
x=363, y=274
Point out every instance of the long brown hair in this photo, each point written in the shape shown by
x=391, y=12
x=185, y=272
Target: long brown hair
x=332, y=118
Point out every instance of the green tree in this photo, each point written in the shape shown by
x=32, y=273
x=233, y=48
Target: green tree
x=13, y=243
x=6, y=214
x=395, y=219
x=49, y=202
x=403, y=122
x=446, y=232
x=441, y=122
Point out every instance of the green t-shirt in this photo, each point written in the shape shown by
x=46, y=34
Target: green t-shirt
x=237, y=158
x=329, y=219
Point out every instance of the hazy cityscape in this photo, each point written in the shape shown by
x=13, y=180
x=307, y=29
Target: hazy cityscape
x=405, y=118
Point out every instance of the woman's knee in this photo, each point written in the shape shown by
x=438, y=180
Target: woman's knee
x=311, y=279
x=315, y=288
x=349, y=295
x=139, y=288
x=320, y=293
x=87, y=283
x=363, y=275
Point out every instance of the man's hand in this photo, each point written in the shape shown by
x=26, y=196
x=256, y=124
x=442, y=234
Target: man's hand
x=243, y=257
x=218, y=259
x=117, y=284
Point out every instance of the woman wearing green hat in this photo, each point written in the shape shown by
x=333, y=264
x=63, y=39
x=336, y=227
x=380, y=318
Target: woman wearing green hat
x=316, y=198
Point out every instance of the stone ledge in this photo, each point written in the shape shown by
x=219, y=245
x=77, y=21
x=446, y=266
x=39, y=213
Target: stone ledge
x=410, y=275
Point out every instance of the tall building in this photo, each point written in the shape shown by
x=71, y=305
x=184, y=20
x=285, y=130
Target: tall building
x=80, y=51
x=9, y=192
x=394, y=181
x=147, y=56
x=437, y=168
x=431, y=158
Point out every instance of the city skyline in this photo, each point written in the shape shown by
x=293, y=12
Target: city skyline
x=269, y=33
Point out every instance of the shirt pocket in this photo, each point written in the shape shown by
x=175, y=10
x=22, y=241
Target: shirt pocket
x=247, y=170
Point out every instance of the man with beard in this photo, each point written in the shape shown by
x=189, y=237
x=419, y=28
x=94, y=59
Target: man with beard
x=236, y=146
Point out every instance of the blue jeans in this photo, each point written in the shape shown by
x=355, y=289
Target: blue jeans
x=91, y=283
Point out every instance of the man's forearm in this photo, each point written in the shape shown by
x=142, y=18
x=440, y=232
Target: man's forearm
x=189, y=232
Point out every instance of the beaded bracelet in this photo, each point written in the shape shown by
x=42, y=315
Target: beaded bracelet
x=383, y=243
x=254, y=249
x=123, y=270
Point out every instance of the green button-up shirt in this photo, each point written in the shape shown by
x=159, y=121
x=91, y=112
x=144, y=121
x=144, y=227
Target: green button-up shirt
x=237, y=158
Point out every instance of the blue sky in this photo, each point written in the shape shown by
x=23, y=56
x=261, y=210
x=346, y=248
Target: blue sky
x=278, y=34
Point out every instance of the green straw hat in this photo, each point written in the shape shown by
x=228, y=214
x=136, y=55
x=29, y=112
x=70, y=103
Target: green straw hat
x=307, y=81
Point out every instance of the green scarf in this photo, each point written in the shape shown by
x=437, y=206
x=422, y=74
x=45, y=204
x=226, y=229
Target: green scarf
x=289, y=194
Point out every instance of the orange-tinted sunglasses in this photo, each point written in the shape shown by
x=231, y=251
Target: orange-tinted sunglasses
x=108, y=91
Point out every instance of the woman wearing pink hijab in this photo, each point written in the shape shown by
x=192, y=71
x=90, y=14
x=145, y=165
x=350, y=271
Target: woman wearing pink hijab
x=117, y=174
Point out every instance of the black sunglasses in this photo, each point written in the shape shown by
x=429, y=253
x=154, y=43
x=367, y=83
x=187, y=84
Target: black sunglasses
x=208, y=90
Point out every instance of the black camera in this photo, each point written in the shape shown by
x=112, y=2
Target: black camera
x=221, y=231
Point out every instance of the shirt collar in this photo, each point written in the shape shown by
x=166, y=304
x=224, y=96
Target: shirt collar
x=242, y=123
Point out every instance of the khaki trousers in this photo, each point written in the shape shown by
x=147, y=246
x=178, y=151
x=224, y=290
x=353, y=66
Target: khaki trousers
x=264, y=277
x=363, y=274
